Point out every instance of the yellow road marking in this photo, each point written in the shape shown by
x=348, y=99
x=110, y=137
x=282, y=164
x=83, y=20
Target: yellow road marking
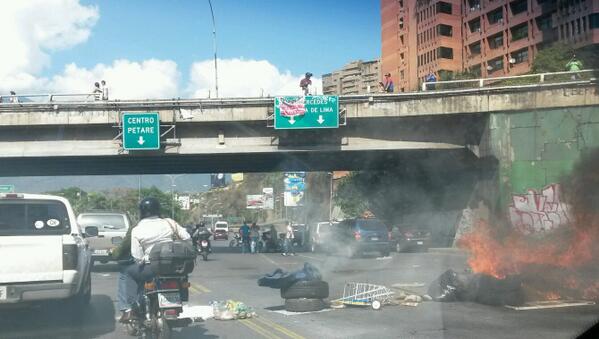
x=194, y=290
x=279, y=328
x=259, y=329
x=200, y=287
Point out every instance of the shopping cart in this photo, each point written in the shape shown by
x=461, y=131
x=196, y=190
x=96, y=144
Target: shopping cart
x=364, y=294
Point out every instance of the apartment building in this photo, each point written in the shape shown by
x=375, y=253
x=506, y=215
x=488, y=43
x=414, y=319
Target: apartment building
x=488, y=38
x=356, y=77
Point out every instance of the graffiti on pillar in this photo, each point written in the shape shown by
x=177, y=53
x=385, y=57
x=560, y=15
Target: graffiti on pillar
x=538, y=211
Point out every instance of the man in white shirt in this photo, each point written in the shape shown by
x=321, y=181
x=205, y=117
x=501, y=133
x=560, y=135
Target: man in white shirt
x=151, y=230
x=289, y=239
x=104, y=89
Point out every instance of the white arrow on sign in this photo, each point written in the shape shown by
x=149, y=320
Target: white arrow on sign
x=292, y=120
x=320, y=119
x=141, y=140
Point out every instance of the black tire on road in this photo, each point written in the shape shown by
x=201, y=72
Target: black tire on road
x=306, y=289
x=304, y=305
x=385, y=253
x=205, y=256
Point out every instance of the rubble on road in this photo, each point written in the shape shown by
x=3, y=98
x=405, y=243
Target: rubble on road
x=231, y=309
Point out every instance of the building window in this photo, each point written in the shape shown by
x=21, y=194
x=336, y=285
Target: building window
x=443, y=7
x=520, y=56
x=584, y=23
x=578, y=30
x=518, y=6
x=445, y=74
x=401, y=75
x=495, y=64
x=474, y=5
x=475, y=70
x=445, y=53
x=474, y=25
x=444, y=30
x=495, y=16
x=544, y=22
x=475, y=48
x=519, y=32
x=496, y=41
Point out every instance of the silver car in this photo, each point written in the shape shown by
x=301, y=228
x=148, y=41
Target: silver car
x=112, y=228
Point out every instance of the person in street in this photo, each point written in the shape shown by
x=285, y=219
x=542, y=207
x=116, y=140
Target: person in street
x=289, y=238
x=306, y=82
x=254, y=237
x=387, y=85
x=104, y=89
x=151, y=230
x=97, y=91
x=430, y=77
x=244, y=232
x=574, y=65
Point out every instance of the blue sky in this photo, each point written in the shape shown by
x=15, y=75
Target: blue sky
x=319, y=36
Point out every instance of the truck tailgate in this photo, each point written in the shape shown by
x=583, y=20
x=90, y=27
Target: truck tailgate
x=30, y=258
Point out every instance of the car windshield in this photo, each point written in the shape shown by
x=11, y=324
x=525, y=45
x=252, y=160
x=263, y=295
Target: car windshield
x=33, y=217
x=104, y=222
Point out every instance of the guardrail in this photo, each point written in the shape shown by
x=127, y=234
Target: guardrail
x=40, y=98
x=526, y=79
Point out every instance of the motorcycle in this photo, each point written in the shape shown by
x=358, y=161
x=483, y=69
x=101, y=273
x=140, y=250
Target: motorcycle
x=270, y=243
x=157, y=313
x=236, y=242
x=203, y=245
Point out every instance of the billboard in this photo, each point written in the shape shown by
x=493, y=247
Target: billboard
x=295, y=185
x=237, y=177
x=269, y=198
x=217, y=180
x=254, y=201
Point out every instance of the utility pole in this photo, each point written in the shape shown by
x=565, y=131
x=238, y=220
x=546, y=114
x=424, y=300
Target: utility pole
x=214, y=45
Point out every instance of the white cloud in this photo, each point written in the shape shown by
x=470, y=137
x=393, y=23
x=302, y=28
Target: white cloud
x=30, y=29
x=244, y=78
x=126, y=79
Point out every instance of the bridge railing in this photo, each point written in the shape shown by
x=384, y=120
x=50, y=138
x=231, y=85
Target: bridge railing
x=526, y=79
x=45, y=98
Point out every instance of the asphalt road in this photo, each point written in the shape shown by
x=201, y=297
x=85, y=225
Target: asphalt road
x=230, y=275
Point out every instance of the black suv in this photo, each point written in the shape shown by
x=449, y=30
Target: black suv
x=356, y=236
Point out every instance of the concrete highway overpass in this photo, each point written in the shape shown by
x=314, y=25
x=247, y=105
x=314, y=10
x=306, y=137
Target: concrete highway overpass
x=442, y=128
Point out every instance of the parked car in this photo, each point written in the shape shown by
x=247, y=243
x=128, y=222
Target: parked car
x=353, y=237
x=112, y=228
x=410, y=238
x=318, y=235
x=44, y=252
x=221, y=231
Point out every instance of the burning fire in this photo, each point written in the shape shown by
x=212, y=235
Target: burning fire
x=560, y=263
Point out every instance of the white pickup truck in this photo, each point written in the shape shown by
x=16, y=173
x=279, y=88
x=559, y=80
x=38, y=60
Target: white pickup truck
x=43, y=252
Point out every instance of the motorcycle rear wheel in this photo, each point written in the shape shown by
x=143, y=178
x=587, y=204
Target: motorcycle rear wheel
x=205, y=256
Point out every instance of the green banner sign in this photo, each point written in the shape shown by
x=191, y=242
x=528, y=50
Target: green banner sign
x=295, y=112
x=7, y=188
x=141, y=131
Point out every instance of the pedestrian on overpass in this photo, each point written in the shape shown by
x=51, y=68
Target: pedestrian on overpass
x=244, y=232
x=289, y=238
x=104, y=89
x=431, y=77
x=574, y=65
x=387, y=85
x=305, y=83
x=97, y=91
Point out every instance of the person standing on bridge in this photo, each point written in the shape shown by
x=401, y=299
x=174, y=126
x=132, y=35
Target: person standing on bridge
x=97, y=91
x=574, y=65
x=387, y=86
x=431, y=77
x=104, y=89
x=306, y=82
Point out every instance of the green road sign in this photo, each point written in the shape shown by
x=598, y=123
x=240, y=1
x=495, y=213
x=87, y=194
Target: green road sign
x=319, y=111
x=7, y=188
x=141, y=131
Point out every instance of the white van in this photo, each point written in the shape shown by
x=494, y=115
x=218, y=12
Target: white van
x=221, y=230
x=44, y=252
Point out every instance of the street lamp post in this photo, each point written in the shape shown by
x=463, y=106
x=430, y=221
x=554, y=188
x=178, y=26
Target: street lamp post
x=173, y=178
x=214, y=45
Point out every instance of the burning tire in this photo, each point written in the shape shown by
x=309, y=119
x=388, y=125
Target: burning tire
x=306, y=289
x=304, y=305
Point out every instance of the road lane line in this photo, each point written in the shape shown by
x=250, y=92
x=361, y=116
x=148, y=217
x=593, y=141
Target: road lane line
x=200, y=287
x=258, y=329
x=194, y=290
x=309, y=257
x=279, y=328
x=269, y=260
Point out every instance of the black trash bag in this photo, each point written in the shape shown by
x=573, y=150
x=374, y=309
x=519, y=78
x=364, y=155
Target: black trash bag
x=453, y=286
x=281, y=279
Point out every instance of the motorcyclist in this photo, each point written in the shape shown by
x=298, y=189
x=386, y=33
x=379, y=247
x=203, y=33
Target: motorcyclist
x=202, y=233
x=149, y=231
